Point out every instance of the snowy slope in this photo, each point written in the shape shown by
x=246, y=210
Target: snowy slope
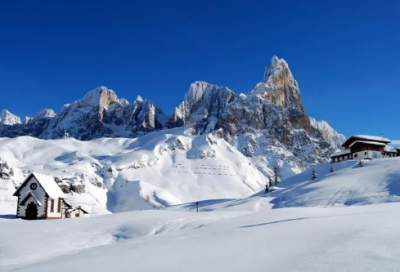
x=378, y=181
x=357, y=238
x=158, y=169
x=307, y=225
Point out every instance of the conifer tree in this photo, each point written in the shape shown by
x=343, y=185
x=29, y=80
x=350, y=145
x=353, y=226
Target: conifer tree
x=277, y=170
x=266, y=188
x=271, y=182
x=313, y=174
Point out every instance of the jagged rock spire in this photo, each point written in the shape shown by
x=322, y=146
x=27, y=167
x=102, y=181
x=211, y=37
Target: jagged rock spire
x=278, y=86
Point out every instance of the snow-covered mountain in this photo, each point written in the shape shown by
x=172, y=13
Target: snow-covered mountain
x=269, y=124
x=158, y=169
x=99, y=114
x=266, y=127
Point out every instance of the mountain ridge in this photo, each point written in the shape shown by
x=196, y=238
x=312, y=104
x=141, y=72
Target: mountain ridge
x=262, y=129
x=273, y=109
x=277, y=86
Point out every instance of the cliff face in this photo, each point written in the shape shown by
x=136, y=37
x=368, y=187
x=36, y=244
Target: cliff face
x=279, y=87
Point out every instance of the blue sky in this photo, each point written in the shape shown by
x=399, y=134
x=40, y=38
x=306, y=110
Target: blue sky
x=344, y=54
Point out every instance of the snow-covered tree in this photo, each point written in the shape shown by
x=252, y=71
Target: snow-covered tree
x=277, y=171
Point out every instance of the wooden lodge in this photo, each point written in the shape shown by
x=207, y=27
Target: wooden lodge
x=359, y=147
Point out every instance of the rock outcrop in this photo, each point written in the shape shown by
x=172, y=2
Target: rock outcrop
x=279, y=87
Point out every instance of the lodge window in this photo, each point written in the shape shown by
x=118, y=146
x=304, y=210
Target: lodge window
x=52, y=205
x=59, y=205
x=355, y=155
x=365, y=153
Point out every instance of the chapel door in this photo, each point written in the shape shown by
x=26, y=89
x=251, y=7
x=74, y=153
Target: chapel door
x=31, y=211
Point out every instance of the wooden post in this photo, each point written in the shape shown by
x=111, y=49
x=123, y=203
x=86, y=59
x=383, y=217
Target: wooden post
x=197, y=206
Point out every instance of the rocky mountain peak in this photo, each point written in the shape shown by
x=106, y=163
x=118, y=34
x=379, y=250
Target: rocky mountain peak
x=278, y=86
x=27, y=119
x=272, y=68
x=139, y=99
x=7, y=118
x=101, y=96
x=276, y=68
x=196, y=92
x=45, y=113
x=202, y=106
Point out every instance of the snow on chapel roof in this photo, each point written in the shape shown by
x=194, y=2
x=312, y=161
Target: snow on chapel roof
x=49, y=185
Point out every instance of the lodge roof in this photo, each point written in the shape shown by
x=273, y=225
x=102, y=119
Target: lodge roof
x=368, y=143
x=366, y=138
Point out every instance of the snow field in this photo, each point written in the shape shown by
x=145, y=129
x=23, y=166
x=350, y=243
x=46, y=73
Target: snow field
x=356, y=238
